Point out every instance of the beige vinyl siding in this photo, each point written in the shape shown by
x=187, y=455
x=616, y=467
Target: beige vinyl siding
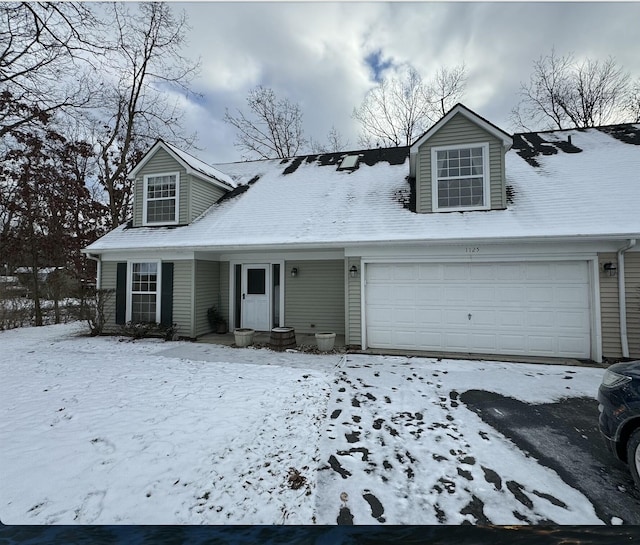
x=460, y=131
x=108, y=272
x=161, y=163
x=354, y=310
x=183, y=297
x=202, y=196
x=207, y=293
x=609, y=308
x=314, y=300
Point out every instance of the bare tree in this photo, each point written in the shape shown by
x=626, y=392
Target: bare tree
x=633, y=102
x=43, y=51
x=564, y=93
x=142, y=102
x=399, y=109
x=272, y=128
x=447, y=88
x=335, y=143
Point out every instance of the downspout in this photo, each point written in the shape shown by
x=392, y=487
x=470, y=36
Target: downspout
x=622, y=300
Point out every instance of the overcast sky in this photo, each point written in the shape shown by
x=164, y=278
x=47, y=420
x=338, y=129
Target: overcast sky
x=319, y=54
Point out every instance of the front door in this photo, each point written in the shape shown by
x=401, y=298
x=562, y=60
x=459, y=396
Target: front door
x=255, y=297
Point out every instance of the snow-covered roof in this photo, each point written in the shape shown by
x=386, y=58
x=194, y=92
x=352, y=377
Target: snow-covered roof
x=587, y=188
x=192, y=165
x=469, y=114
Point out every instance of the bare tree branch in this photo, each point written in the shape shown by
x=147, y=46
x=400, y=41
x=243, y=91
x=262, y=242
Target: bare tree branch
x=136, y=108
x=563, y=93
x=399, y=109
x=43, y=49
x=272, y=128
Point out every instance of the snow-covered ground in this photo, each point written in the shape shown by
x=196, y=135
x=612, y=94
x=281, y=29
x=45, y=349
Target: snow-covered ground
x=110, y=431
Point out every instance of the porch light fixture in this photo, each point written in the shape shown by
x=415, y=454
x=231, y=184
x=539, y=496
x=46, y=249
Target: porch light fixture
x=353, y=271
x=610, y=268
x=294, y=272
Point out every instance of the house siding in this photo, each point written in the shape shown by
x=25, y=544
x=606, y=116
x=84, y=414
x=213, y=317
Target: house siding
x=314, y=300
x=460, y=130
x=108, y=282
x=207, y=293
x=202, y=196
x=161, y=163
x=609, y=309
x=353, y=335
x=225, y=292
x=183, y=297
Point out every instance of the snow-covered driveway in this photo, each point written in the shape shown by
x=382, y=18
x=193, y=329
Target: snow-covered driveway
x=99, y=430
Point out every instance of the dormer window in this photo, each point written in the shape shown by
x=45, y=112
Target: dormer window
x=161, y=199
x=460, y=177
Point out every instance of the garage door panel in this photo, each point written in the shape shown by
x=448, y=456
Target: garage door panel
x=569, y=296
x=456, y=317
x=542, y=344
x=482, y=294
x=571, y=272
x=428, y=316
x=404, y=293
x=456, y=271
x=483, y=342
x=537, y=272
x=512, y=344
x=536, y=295
x=572, y=319
x=457, y=341
x=510, y=295
x=483, y=271
x=540, y=318
x=455, y=294
x=429, y=294
x=570, y=345
x=482, y=318
x=404, y=317
x=539, y=308
x=509, y=272
x=510, y=319
x=404, y=339
x=430, y=271
x=405, y=272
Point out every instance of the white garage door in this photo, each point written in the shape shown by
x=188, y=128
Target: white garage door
x=533, y=308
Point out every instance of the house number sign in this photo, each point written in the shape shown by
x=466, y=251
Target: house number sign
x=472, y=250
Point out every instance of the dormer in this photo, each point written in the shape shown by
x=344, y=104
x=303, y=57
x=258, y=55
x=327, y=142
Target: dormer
x=171, y=187
x=459, y=164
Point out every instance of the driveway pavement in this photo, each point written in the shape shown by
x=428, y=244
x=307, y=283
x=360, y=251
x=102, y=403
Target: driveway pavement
x=564, y=436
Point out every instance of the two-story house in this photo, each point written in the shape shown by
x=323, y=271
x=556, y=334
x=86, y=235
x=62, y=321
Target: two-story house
x=469, y=241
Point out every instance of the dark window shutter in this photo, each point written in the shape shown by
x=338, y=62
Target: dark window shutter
x=121, y=293
x=166, y=297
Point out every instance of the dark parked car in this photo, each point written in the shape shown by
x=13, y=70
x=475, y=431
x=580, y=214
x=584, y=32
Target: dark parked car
x=619, y=397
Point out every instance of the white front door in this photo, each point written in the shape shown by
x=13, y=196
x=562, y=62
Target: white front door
x=256, y=297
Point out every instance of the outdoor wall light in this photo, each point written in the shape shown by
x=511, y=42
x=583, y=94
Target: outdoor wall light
x=353, y=271
x=610, y=268
x=294, y=272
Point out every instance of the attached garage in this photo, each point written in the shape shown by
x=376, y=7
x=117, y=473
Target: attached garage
x=512, y=308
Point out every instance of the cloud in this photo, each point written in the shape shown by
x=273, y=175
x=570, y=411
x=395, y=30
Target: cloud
x=326, y=56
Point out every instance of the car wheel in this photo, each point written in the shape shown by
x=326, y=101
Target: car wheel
x=633, y=456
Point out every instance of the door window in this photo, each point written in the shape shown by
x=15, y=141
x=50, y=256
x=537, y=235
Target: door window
x=256, y=282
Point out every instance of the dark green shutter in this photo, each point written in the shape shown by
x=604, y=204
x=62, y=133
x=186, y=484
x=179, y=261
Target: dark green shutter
x=121, y=293
x=166, y=296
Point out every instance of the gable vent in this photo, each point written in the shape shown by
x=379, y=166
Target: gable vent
x=350, y=162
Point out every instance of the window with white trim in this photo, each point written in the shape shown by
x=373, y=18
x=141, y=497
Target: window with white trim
x=144, y=293
x=161, y=197
x=460, y=177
